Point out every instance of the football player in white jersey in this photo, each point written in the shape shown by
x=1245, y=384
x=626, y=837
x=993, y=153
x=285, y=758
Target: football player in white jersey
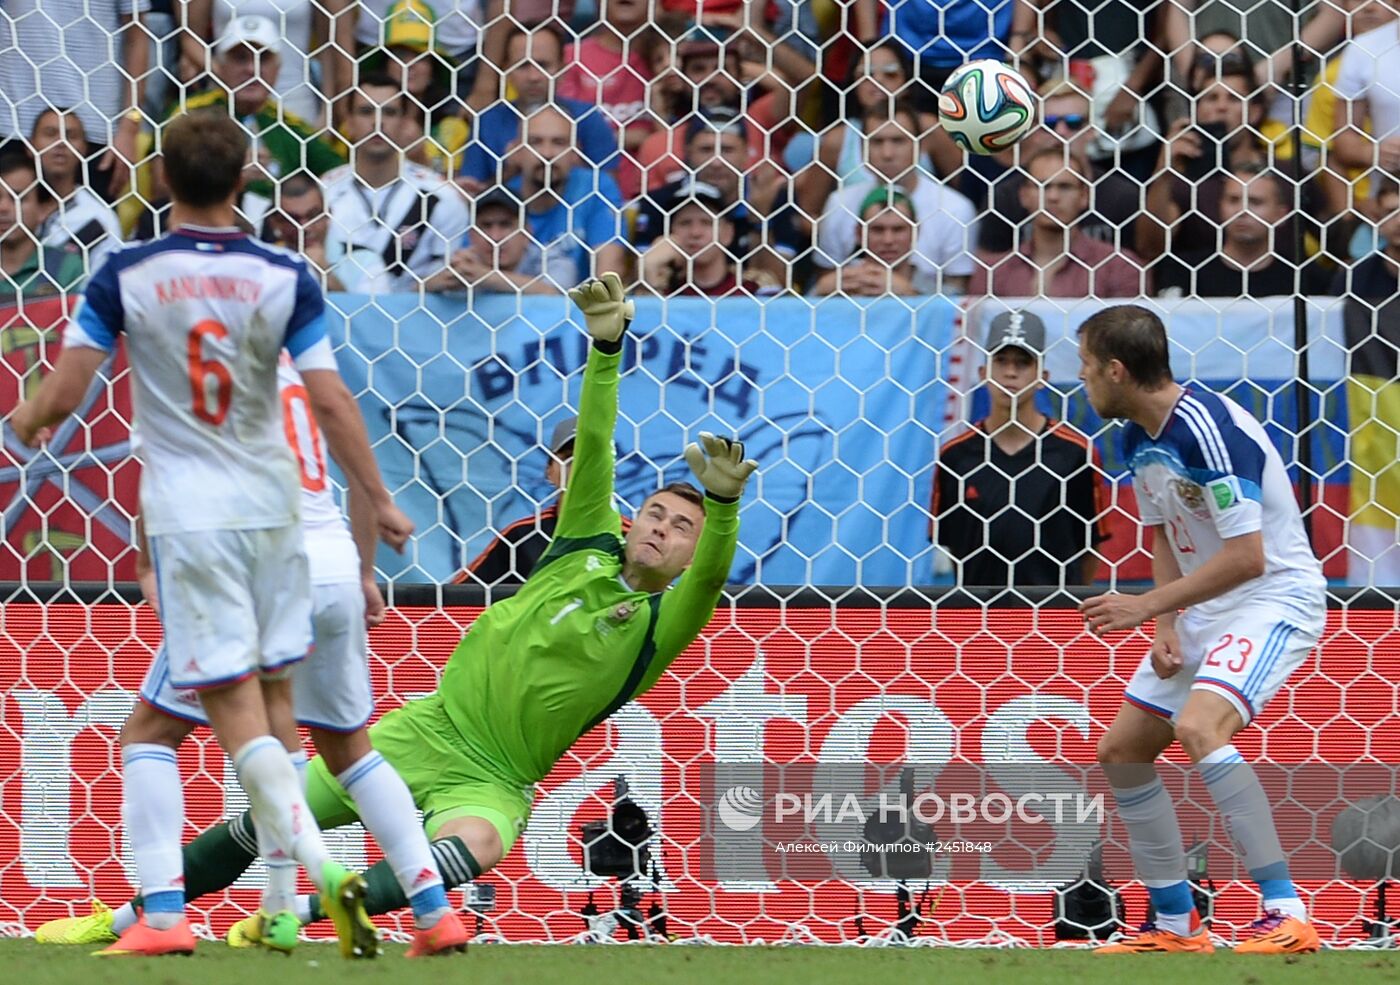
x=206, y=313
x=1239, y=603
x=331, y=695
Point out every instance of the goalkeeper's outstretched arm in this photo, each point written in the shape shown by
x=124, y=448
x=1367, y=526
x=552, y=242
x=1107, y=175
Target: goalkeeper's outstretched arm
x=587, y=508
x=720, y=467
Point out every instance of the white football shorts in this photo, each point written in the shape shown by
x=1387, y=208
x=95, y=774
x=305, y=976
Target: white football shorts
x=330, y=688
x=233, y=603
x=1245, y=657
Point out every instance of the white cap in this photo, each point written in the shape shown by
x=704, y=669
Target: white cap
x=254, y=31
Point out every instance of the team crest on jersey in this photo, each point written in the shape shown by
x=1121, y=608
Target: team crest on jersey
x=624, y=612
x=1191, y=495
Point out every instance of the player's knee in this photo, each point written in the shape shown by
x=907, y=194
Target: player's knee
x=146, y=726
x=479, y=836
x=1200, y=735
x=1116, y=748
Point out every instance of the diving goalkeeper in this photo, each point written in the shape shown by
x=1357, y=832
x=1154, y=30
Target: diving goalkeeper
x=591, y=629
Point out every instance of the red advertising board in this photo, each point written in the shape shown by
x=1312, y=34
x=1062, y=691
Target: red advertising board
x=772, y=685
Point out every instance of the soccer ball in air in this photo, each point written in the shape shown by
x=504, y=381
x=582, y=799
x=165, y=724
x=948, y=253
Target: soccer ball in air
x=986, y=107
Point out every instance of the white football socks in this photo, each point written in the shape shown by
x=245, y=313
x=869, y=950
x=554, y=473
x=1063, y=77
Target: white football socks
x=281, y=890
x=279, y=807
x=153, y=809
x=387, y=810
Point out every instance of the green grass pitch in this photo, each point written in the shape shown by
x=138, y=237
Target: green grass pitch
x=25, y=962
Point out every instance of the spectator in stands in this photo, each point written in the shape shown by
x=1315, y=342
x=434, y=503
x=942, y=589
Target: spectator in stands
x=696, y=254
x=534, y=60
x=410, y=58
x=942, y=35
x=299, y=24
x=1337, y=182
x=1368, y=101
x=1066, y=121
x=885, y=262
x=670, y=97
x=717, y=153
x=90, y=55
x=1256, y=256
x=570, y=207
x=947, y=220
x=1018, y=498
x=1264, y=31
x=837, y=155
x=509, y=559
x=301, y=224
x=712, y=63
x=1056, y=256
x=1221, y=133
x=606, y=69
x=500, y=256
x=247, y=62
x=27, y=268
x=82, y=222
x=394, y=221
x=456, y=26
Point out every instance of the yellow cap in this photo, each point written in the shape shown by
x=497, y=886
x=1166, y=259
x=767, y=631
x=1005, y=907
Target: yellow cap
x=409, y=24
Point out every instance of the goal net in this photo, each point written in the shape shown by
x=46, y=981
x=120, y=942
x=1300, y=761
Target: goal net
x=818, y=269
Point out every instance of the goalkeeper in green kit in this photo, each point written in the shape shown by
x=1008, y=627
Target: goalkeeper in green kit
x=592, y=628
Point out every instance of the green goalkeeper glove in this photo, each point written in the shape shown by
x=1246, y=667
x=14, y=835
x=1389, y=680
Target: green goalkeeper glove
x=605, y=307
x=720, y=466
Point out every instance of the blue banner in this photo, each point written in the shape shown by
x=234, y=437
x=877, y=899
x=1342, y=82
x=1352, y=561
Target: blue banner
x=840, y=401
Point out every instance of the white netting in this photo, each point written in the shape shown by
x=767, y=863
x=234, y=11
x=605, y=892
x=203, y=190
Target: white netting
x=812, y=256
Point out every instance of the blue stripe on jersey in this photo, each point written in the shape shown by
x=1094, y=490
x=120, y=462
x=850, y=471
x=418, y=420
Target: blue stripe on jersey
x=1207, y=418
x=101, y=329
x=1206, y=433
x=306, y=335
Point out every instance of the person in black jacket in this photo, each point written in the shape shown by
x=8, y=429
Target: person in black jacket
x=509, y=559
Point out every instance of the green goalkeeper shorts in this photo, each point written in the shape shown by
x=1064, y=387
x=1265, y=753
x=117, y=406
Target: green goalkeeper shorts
x=420, y=742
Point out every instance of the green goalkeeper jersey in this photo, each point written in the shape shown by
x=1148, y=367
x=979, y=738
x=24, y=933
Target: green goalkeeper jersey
x=575, y=643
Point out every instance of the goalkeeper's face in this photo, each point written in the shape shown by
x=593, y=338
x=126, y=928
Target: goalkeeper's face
x=662, y=539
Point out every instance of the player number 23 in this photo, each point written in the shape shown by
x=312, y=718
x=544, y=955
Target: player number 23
x=1235, y=651
x=203, y=372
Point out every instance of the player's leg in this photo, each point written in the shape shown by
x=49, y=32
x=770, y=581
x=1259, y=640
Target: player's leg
x=150, y=822
x=1127, y=750
x=281, y=596
x=333, y=698
x=388, y=813
x=1246, y=665
x=278, y=926
x=153, y=813
x=471, y=816
x=464, y=847
x=1140, y=732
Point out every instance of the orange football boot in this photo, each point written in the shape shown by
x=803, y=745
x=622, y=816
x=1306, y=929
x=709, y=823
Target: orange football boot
x=1280, y=934
x=143, y=940
x=444, y=937
x=1151, y=939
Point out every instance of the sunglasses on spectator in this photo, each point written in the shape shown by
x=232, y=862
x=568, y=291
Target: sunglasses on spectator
x=1074, y=121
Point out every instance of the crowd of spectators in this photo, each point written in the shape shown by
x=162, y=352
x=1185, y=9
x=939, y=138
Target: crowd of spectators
x=803, y=133
x=721, y=148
